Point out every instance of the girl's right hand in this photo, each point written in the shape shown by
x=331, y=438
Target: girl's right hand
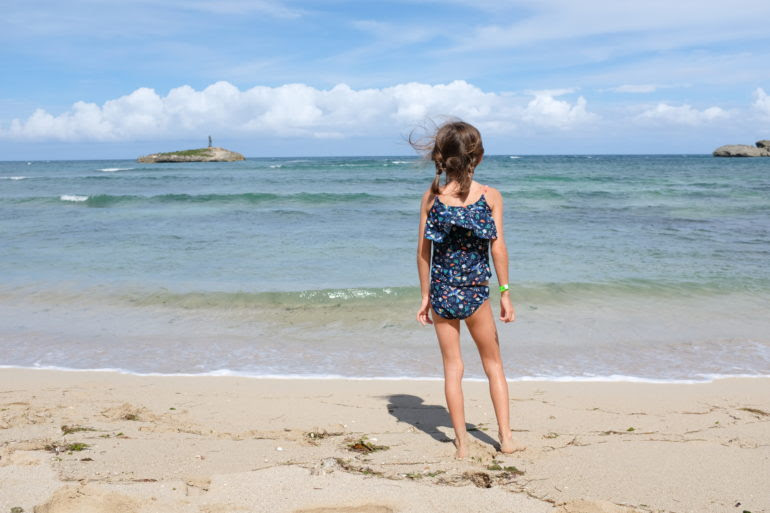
x=423, y=314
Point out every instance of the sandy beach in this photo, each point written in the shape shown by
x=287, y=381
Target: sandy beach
x=220, y=222
x=100, y=441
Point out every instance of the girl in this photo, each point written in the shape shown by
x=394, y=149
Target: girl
x=461, y=220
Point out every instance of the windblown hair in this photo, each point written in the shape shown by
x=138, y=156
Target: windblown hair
x=456, y=150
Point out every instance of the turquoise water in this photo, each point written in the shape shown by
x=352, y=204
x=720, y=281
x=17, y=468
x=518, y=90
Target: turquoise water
x=644, y=266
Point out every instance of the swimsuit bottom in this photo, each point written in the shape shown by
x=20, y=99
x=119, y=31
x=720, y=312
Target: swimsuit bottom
x=452, y=302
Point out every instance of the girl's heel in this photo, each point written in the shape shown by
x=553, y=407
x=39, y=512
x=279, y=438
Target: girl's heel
x=461, y=448
x=510, y=445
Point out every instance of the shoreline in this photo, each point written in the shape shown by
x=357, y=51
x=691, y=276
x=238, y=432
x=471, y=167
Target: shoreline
x=625, y=337
x=217, y=444
x=339, y=377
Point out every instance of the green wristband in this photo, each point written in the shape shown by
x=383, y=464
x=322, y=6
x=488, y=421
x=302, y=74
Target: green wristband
x=503, y=288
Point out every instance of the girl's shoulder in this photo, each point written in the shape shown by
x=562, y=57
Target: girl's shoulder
x=427, y=200
x=493, y=196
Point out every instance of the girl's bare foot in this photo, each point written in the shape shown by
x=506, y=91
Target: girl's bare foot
x=509, y=445
x=462, y=447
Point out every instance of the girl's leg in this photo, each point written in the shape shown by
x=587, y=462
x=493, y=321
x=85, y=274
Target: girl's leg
x=448, y=333
x=484, y=332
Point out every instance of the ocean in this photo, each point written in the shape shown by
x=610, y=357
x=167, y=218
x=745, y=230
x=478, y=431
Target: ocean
x=622, y=267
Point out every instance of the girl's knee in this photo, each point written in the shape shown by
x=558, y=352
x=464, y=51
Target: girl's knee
x=492, y=364
x=454, y=367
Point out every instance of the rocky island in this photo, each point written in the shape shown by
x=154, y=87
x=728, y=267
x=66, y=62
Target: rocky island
x=761, y=149
x=210, y=154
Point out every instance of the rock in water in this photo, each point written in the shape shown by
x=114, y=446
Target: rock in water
x=199, y=155
x=738, y=150
x=762, y=149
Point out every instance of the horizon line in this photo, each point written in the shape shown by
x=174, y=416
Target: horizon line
x=397, y=156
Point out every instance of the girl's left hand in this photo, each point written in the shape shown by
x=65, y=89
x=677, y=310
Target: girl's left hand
x=507, y=314
x=423, y=314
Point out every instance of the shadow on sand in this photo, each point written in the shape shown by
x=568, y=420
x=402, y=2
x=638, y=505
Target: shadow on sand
x=429, y=417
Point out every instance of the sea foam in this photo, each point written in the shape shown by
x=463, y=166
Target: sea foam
x=615, y=378
x=72, y=197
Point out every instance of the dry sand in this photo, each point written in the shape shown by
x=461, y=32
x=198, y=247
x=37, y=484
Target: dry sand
x=226, y=444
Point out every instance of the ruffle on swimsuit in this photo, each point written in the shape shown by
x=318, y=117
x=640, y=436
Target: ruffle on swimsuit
x=476, y=217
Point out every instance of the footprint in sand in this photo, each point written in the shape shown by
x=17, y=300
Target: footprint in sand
x=197, y=485
x=128, y=411
x=88, y=499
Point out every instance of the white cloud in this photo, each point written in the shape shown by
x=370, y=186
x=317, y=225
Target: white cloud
x=762, y=102
x=683, y=114
x=296, y=110
x=544, y=109
x=635, y=88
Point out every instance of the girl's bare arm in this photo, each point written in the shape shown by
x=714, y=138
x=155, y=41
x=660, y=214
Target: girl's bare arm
x=423, y=260
x=500, y=253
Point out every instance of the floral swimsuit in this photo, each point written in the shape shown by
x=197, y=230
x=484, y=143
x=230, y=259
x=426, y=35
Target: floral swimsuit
x=460, y=261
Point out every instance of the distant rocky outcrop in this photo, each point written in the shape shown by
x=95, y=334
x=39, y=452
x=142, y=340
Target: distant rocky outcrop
x=762, y=149
x=211, y=154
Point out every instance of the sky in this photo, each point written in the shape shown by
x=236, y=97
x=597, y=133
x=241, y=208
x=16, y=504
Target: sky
x=116, y=79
